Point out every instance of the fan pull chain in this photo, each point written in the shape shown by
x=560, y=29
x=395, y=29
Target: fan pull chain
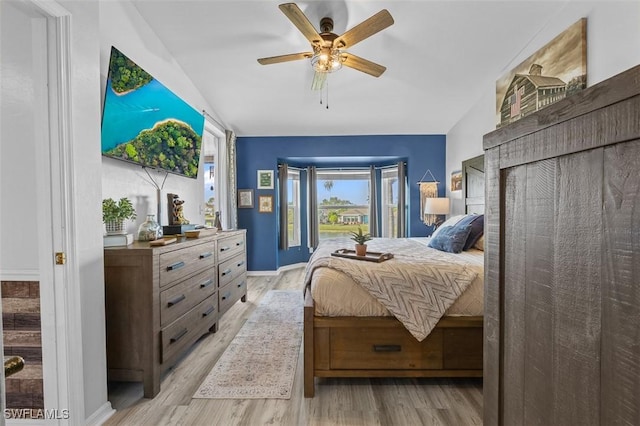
x=327, y=94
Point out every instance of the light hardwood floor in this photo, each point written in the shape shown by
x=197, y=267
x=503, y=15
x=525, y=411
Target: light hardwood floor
x=337, y=401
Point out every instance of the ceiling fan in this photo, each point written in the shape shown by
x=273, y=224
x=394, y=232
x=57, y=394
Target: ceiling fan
x=328, y=49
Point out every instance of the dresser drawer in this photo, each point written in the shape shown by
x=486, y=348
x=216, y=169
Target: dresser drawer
x=177, y=264
x=230, y=246
x=188, y=328
x=232, y=292
x=379, y=348
x=178, y=299
x=231, y=269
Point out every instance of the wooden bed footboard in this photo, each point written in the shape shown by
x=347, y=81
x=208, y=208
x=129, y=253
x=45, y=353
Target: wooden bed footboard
x=382, y=347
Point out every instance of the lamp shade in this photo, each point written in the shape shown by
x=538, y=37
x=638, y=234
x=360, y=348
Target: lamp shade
x=436, y=205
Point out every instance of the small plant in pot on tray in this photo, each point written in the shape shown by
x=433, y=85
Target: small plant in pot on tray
x=115, y=213
x=360, y=239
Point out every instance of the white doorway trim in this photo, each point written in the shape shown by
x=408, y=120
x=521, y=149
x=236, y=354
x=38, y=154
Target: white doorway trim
x=60, y=287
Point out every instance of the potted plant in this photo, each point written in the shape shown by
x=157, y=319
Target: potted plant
x=115, y=213
x=360, y=239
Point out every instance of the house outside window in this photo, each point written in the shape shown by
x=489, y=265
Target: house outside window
x=343, y=202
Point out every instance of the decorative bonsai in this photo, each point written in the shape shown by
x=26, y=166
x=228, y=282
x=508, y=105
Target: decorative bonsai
x=360, y=239
x=115, y=213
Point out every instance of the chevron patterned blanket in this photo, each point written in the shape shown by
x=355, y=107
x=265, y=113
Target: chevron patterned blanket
x=417, y=286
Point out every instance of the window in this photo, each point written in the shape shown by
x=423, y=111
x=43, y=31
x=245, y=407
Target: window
x=213, y=173
x=209, y=147
x=389, y=202
x=343, y=202
x=293, y=210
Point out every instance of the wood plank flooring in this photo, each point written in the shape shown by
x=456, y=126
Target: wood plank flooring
x=337, y=402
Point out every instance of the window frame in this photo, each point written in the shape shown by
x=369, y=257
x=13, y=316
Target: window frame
x=295, y=236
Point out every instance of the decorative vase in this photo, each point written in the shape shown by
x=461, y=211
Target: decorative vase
x=216, y=222
x=361, y=249
x=149, y=230
x=115, y=227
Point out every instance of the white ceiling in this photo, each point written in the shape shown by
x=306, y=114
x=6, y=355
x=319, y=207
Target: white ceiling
x=441, y=57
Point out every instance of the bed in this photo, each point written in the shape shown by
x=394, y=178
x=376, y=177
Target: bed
x=353, y=327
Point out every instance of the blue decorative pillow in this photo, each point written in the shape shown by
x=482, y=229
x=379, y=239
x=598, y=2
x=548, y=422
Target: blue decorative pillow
x=451, y=238
x=477, y=229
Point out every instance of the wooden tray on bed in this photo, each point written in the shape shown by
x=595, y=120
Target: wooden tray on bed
x=371, y=256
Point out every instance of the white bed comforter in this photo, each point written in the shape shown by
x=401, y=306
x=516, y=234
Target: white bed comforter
x=417, y=286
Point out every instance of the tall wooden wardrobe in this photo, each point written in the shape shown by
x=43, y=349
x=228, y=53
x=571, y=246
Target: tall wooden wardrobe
x=562, y=276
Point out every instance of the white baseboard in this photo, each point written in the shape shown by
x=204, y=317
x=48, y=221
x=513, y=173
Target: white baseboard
x=20, y=275
x=278, y=272
x=101, y=415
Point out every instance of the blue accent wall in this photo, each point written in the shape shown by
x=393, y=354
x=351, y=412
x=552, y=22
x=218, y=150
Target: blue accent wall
x=421, y=152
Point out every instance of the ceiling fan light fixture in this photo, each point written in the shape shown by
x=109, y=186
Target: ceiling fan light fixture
x=326, y=60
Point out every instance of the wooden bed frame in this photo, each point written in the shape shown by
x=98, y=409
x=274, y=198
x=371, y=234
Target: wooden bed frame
x=382, y=346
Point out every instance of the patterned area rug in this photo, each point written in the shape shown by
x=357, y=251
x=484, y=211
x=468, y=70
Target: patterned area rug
x=260, y=362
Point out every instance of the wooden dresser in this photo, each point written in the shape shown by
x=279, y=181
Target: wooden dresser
x=562, y=281
x=160, y=300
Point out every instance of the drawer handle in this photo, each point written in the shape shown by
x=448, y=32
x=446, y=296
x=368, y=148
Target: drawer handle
x=178, y=336
x=226, y=296
x=205, y=255
x=239, y=243
x=176, y=300
x=241, y=284
x=225, y=248
x=387, y=348
x=225, y=272
x=206, y=283
x=240, y=263
x=175, y=266
x=209, y=311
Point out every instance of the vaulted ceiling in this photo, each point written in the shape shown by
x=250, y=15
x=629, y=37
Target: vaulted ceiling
x=441, y=56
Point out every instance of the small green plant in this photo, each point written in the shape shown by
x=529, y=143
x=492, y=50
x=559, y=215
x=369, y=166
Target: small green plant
x=359, y=237
x=113, y=211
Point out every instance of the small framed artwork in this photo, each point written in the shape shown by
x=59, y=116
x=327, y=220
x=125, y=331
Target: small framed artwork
x=456, y=180
x=265, y=179
x=265, y=203
x=245, y=198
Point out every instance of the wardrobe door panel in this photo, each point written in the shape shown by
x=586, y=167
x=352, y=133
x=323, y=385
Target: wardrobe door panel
x=621, y=285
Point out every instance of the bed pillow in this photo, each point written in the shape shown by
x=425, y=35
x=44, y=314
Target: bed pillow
x=449, y=222
x=480, y=243
x=450, y=238
x=476, y=221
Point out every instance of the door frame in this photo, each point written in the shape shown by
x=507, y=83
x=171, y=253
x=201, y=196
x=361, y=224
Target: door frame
x=61, y=314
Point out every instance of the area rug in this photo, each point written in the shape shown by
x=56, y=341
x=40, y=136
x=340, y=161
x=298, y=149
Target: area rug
x=260, y=362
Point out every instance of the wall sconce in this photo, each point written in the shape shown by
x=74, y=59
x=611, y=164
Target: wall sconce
x=433, y=208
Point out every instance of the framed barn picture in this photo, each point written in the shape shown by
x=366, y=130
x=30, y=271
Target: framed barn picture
x=552, y=73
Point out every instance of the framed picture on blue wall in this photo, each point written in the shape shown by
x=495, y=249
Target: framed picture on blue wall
x=245, y=198
x=265, y=179
x=265, y=204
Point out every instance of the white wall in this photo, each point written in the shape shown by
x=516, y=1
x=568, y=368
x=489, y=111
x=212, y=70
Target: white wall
x=19, y=205
x=122, y=26
x=613, y=46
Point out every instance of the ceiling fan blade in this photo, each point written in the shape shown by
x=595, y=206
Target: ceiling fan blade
x=361, y=64
x=285, y=58
x=299, y=19
x=366, y=28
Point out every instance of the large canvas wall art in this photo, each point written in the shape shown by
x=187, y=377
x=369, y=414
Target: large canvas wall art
x=552, y=73
x=145, y=123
